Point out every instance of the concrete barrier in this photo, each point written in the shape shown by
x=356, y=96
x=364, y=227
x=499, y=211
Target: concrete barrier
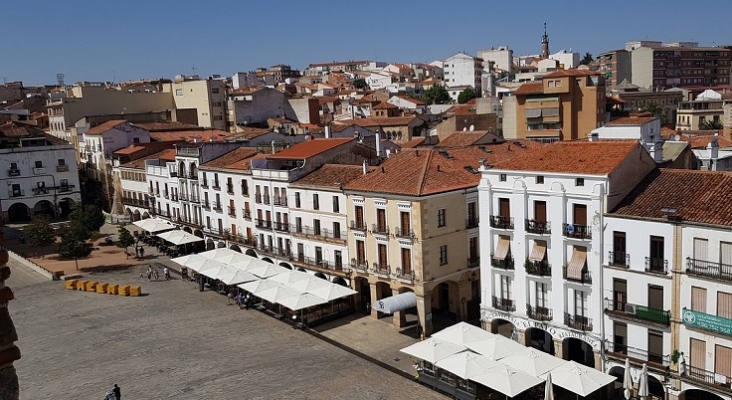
x=91, y=286
x=81, y=285
x=135, y=291
x=102, y=287
x=124, y=290
x=112, y=289
x=35, y=267
x=71, y=284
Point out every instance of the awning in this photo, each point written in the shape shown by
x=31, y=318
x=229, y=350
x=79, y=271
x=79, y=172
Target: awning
x=577, y=263
x=533, y=112
x=179, y=237
x=538, y=251
x=549, y=112
x=502, y=248
x=153, y=225
x=390, y=305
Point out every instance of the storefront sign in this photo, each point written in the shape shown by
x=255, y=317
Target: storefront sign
x=707, y=322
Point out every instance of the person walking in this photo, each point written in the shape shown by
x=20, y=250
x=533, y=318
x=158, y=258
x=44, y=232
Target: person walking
x=117, y=392
x=142, y=252
x=155, y=274
x=166, y=273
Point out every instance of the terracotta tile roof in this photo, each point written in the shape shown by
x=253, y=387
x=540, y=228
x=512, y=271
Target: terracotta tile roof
x=129, y=150
x=411, y=100
x=380, y=121
x=384, y=106
x=101, y=128
x=631, y=121
x=571, y=72
x=462, y=109
x=205, y=135
x=249, y=133
x=423, y=171
x=327, y=99
x=310, y=148
x=168, y=126
x=331, y=175
x=530, y=88
x=239, y=158
x=579, y=157
x=461, y=138
x=167, y=155
x=695, y=196
x=412, y=143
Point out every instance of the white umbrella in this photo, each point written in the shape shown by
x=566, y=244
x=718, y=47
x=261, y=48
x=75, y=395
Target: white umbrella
x=495, y=347
x=259, y=285
x=332, y=292
x=463, y=333
x=580, y=379
x=200, y=265
x=466, y=364
x=532, y=361
x=307, y=285
x=232, y=276
x=548, y=388
x=507, y=380
x=290, y=277
x=179, y=237
x=227, y=256
x=627, y=380
x=432, y=350
x=154, y=225
x=643, y=383
x=264, y=269
x=302, y=301
x=277, y=294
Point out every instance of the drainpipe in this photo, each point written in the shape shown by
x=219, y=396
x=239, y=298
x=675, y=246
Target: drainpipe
x=601, y=233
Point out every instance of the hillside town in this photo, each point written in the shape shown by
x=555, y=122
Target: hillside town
x=574, y=205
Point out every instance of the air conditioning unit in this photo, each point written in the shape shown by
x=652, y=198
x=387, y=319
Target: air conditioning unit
x=630, y=309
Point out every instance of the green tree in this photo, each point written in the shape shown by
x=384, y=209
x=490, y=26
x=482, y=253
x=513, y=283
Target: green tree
x=124, y=239
x=89, y=216
x=74, y=242
x=711, y=125
x=587, y=59
x=436, y=95
x=39, y=233
x=466, y=95
x=656, y=110
x=360, y=83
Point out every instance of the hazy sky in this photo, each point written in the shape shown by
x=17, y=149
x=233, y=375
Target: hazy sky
x=132, y=39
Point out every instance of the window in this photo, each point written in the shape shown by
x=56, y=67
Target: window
x=443, y=254
x=359, y=216
x=724, y=305
x=179, y=92
x=214, y=90
x=318, y=255
x=581, y=303
x=381, y=220
x=64, y=182
x=405, y=223
x=579, y=214
x=298, y=225
x=336, y=205
x=316, y=227
x=14, y=166
x=336, y=230
x=316, y=202
x=383, y=257
x=698, y=299
x=655, y=346
x=61, y=162
x=360, y=252
x=541, y=295
x=39, y=164
x=550, y=84
x=504, y=208
x=619, y=257
x=244, y=187
x=297, y=199
x=579, y=182
x=540, y=180
x=406, y=261
x=502, y=177
x=441, y=217
x=505, y=283
x=539, y=211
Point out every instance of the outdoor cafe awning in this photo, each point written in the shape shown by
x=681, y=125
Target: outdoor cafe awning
x=153, y=225
x=400, y=302
x=179, y=237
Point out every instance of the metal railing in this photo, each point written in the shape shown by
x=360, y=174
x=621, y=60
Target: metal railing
x=377, y=229
x=501, y=222
x=16, y=192
x=708, y=377
x=638, y=355
x=579, y=322
x=266, y=199
x=216, y=186
x=204, y=184
x=539, y=313
x=322, y=232
x=585, y=276
x=263, y=223
x=618, y=259
x=232, y=211
x=358, y=226
x=193, y=177
x=503, y=304
x=217, y=206
x=229, y=189
x=206, y=205
x=637, y=312
x=258, y=198
x=577, y=231
x=657, y=265
x=709, y=269
x=129, y=201
x=471, y=223
x=381, y=269
x=537, y=268
x=245, y=190
x=246, y=213
x=473, y=261
x=404, y=233
x=280, y=201
x=506, y=263
x=281, y=226
x=540, y=227
x=359, y=264
x=62, y=168
x=405, y=275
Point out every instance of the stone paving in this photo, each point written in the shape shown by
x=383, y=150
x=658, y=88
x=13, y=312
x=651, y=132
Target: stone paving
x=176, y=342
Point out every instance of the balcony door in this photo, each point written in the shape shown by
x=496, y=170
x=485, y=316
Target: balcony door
x=360, y=251
x=381, y=219
x=655, y=297
x=723, y=361
x=579, y=214
x=404, y=216
x=657, y=253
x=620, y=294
x=504, y=208
x=382, y=256
x=618, y=248
x=620, y=337
x=472, y=212
x=697, y=356
x=359, y=216
x=540, y=211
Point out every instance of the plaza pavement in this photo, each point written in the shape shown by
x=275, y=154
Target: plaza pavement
x=176, y=342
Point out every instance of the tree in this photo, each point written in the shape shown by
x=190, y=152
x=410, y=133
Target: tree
x=124, y=239
x=40, y=233
x=711, y=125
x=89, y=216
x=587, y=59
x=656, y=110
x=360, y=83
x=466, y=95
x=83, y=221
x=436, y=95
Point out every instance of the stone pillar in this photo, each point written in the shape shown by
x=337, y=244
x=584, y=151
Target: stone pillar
x=521, y=337
x=558, y=350
x=424, y=311
x=400, y=318
x=598, y=360
x=9, y=352
x=374, y=299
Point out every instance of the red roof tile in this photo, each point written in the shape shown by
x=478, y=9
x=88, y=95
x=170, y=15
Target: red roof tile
x=167, y=155
x=238, y=158
x=461, y=138
x=571, y=72
x=187, y=135
x=331, y=175
x=101, y=128
x=310, y=148
x=412, y=143
x=530, y=88
x=168, y=126
x=631, y=121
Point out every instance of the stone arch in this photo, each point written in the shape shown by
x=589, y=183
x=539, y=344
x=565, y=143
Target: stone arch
x=182, y=169
x=362, y=286
x=235, y=248
x=399, y=135
x=698, y=394
x=221, y=245
x=210, y=245
x=192, y=169
x=64, y=207
x=19, y=212
x=188, y=230
x=383, y=289
x=618, y=372
x=136, y=216
x=655, y=387
x=340, y=281
x=540, y=339
x=302, y=270
x=578, y=350
x=321, y=276
x=503, y=327
x=198, y=233
x=251, y=253
x=44, y=207
x=285, y=265
x=145, y=215
x=267, y=259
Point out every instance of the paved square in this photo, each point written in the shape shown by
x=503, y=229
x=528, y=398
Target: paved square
x=178, y=343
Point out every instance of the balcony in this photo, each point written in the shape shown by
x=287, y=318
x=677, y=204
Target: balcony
x=584, y=278
x=539, y=313
x=241, y=239
x=193, y=177
x=216, y=186
x=579, y=322
x=473, y=261
x=183, y=197
x=40, y=191
x=709, y=378
x=537, y=227
x=206, y=205
x=282, y=226
x=166, y=194
x=129, y=201
x=39, y=171
x=318, y=233
x=538, y=268
x=708, y=269
x=13, y=172
x=245, y=190
x=173, y=174
x=404, y=234
x=638, y=356
x=216, y=232
x=635, y=312
x=65, y=188
x=471, y=223
x=264, y=224
x=217, y=207
x=174, y=197
x=232, y=211
x=62, y=168
x=318, y=263
x=358, y=226
x=280, y=201
x=501, y=222
x=204, y=184
x=359, y=264
x=246, y=213
x=506, y=263
x=230, y=189
x=657, y=265
x=194, y=199
x=404, y=275
x=381, y=269
x=577, y=231
x=503, y=304
x=266, y=199
x=378, y=229
x=16, y=193
x=258, y=198
x=618, y=259
x=188, y=221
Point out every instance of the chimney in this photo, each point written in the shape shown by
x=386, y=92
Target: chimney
x=656, y=150
x=472, y=128
x=327, y=131
x=365, y=167
x=594, y=136
x=438, y=168
x=713, y=148
x=273, y=147
x=382, y=170
x=378, y=143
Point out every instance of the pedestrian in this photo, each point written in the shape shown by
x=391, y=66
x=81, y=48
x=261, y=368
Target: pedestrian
x=230, y=296
x=155, y=274
x=117, y=392
x=137, y=252
x=239, y=299
x=166, y=273
x=142, y=252
x=149, y=274
x=247, y=301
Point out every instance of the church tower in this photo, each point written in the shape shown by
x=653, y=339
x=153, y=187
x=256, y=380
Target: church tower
x=544, y=44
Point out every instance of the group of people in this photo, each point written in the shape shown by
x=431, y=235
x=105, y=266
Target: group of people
x=114, y=394
x=242, y=300
x=152, y=273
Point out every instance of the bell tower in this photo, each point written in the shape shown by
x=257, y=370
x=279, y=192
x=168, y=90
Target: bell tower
x=544, y=44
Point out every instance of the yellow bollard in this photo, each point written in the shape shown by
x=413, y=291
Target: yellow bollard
x=124, y=290
x=71, y=284
x=90, y=286
x=102, y=287
x=112, y=289
x=81, y=285
x=135, y=290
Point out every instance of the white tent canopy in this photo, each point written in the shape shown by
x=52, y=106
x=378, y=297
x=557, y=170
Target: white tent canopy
x=466, y=364
x=308, y=284
x=257, y=286
x=495, y=347
x=580, y=379
x=264, y=269
x=153, y=225
x=463, y=333
x=227, y=256
x=301, y=301
x=507, y=380
x=290, y=277
x=392, y=304
x=332, y=292
x=277, y=294
x=533, y=361
x=433, y=350
x=179, y=237
x=228, y=275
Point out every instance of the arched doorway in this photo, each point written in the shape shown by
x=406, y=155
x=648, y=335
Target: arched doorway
x=235, y=248
x=321, y=275
x=698, y=394
x=383, y=290
x=579, y=351
x=43, y=207
x=302, y=270
x=340, y=281
x=619, y=373
x=136, y=216
x=221, y=245
x=193, y=171
x=502, y=327
x=210, y=245
x=251, y=253
x=19, y=212
x=285, y=265
x=540, y=340
x=655, y=388
x=267, y=259
x=64, y=208
x=128, y=212
x=441, y=301
x=198, y=233
x=145, y=215
x=188, y=230
x=182, y=169
x=363, y=288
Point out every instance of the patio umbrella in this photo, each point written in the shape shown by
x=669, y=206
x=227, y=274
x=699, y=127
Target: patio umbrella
x=466, y=364
x=230, y=275
x=264, y=269
x=643, y=383
x=200, y=265
x=532, y=361
x=154, y=225
x=302, y=301
x=463, y=333
x=580, y=379
x=548, y=388
x=179, y=237
x=432, y=350
x=332, y=292
x=495, y=347
x=308, y=284
x=257, y=286
x=290, y=277
x=627, y=380
x=227, y=256
x=509, y=381
x=277, y=294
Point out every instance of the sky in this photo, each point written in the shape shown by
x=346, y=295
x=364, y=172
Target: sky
x=133, y=39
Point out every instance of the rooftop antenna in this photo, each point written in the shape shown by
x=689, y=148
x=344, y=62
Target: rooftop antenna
x=60, y=79
x=193, y=68
x=5, y=80
x=114, y=76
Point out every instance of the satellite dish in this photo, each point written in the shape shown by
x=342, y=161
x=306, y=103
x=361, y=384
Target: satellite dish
x=570, y=229
x=677, y=137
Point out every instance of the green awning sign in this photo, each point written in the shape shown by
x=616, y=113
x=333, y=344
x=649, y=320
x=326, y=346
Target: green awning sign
x=707, y=322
